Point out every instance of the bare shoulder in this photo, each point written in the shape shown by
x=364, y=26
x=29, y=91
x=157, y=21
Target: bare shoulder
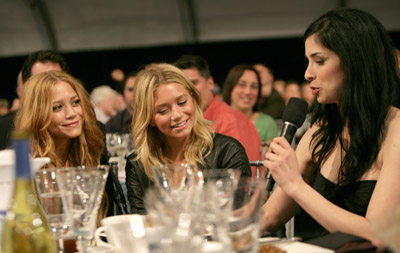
x=393, y=125
x=309, y=133
x=391, y=142
x=304, y=150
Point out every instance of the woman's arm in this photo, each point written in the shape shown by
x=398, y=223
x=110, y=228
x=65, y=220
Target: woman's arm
x=386, y=195
x=280, y=207
x=136, y=186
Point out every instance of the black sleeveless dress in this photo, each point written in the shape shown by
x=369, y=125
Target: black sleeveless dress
x=354, y=198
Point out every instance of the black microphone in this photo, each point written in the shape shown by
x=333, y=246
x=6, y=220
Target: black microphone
x=293, y=117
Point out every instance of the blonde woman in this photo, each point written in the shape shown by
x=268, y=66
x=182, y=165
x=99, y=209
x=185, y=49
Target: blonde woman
x=56, y=109
x=169, y=127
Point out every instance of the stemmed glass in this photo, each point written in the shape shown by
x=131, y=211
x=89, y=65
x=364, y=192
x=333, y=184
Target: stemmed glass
x=223, y=182
x=50, y=199
x=118, y=144
x=171, y=204
x=218, y=187
x=81, y=191
x=174, y=180
x=244, y=220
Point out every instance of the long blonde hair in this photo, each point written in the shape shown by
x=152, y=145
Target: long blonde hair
x=148, y=140
x=35, y=114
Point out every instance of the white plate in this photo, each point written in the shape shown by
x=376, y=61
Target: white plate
x=293, y=246
x=265, y=240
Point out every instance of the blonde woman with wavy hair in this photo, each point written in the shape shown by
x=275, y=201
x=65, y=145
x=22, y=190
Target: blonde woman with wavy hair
x=56, y=108
x=168, y=127
x=71, y=141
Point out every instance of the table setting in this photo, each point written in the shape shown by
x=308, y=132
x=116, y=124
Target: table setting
x=209, y=211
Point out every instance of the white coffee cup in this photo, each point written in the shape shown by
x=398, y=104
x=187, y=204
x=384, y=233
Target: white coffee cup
x=128, y=233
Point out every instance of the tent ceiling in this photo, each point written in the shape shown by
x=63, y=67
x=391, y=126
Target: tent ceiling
x=76, y=25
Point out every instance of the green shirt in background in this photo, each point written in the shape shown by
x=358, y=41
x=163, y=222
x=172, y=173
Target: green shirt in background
x=266, y=127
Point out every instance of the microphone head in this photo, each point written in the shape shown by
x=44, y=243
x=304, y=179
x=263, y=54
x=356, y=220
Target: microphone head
x=295, y=111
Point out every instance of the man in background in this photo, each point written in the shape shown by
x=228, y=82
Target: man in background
x=271, y=101
x=37, y=62
x=226, y=120
x=292, y=89
x=121, y=122
x=4, y=104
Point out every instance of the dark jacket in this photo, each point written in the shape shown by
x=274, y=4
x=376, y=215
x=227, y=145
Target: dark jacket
x=273, y=105
x=6, y=126
x=227, y=153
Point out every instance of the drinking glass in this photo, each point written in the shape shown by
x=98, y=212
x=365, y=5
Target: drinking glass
x=118, y=144
x=244, y=220
x=223, y=181
x=81, y=191
x=50, y=199
x=217, y=190
x=174, y=181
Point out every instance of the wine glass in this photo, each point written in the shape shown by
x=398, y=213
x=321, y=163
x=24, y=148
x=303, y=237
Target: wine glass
x=218, y=189
x=50, y=199
x=174, y=180
x=81, y=190
x=223, y=182
x=118, y=144
x=244, y=220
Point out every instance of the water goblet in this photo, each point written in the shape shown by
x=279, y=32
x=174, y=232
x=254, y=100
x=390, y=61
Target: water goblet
x=50, y=200
x=217, y=190
x=244, y=220
x=118, y=144
x=223, y=182
x=174, y=181
x=81, y=190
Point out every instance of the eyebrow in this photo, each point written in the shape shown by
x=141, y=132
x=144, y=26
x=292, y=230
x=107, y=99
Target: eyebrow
x=72, y=98
x=161, y=105
x=318, y=53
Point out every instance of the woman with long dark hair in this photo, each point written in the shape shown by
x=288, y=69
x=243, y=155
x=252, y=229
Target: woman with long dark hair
x=346, y=168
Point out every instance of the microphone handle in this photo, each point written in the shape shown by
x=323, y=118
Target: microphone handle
x=288, y=131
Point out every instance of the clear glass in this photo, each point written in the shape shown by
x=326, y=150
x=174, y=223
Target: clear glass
x=174, y=181
x=118, y=144
x=224, y=182
x=218, y=187
x=50, y=199
x=244, y=220
x=81, y=191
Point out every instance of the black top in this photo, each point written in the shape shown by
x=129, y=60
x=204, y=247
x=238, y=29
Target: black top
x=353, y=198
x=120, y=123
x=227, y=153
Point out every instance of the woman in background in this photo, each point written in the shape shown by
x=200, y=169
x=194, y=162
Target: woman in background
x=169, y=128
x=242, y=91
x=345, y=171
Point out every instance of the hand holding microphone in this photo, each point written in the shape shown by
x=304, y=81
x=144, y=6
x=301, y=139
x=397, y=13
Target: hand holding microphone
x=293, y=118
